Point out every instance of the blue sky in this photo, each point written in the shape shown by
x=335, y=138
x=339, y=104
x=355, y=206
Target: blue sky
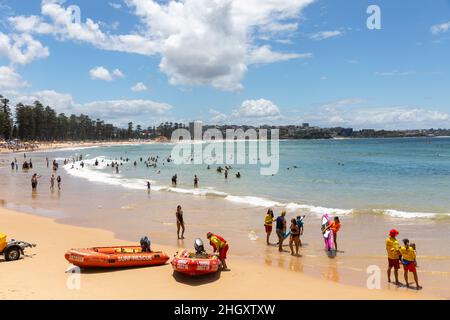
x=232, y=61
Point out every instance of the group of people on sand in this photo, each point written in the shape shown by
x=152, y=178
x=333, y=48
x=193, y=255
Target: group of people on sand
x=406, y=255
x=218, y=243
x=296, y=230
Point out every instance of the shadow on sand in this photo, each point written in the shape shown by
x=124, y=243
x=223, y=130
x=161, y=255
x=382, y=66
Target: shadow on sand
x=111, y=270
x=197, y=280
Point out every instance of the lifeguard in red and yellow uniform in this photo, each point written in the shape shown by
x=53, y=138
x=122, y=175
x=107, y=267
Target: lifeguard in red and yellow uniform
x=219, y=245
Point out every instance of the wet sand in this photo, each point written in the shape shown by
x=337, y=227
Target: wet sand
x=41, y=273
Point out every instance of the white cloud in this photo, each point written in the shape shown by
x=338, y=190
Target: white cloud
x=260, y=108
x=265, y=54
x=9, y=79
x=101, y=73
x=218, y=117
x=118, y=112
x=117, y=73
x=394, y=73
x=200, y=42
x=254, y=112
x=322, y=35
x=355, y=112
x=440, y=28
x=139, y=87
x=115, y=5
x=21, y=49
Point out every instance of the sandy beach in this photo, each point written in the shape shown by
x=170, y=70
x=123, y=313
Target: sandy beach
x=41, y=273
x=42, y=146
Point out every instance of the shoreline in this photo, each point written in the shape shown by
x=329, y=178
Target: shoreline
x=42, y=272
x=50, y=146
x=43, y=146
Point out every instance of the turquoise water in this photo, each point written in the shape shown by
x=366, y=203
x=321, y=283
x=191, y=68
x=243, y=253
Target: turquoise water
x=408, y=177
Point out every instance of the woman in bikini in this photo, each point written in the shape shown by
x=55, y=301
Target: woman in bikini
x=180, y=222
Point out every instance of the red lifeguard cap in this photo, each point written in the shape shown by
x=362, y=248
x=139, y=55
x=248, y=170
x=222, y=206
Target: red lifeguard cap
x=393, y=232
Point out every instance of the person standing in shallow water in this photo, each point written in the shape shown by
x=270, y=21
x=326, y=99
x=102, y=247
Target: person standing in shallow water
x=52, y=182
x=34, y=181
x=180, y=222
x=195, y=181
x=59, y=180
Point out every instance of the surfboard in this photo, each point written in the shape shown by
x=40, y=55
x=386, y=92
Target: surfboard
x=328, y=236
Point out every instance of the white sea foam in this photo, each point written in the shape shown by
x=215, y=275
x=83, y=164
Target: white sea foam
x=412, y=215
x=253, y=201
x=95, y=174
x=292, y=207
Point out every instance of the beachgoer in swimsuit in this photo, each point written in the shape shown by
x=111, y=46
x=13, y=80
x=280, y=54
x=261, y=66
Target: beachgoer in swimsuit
x=295, y=237
x=180, y=222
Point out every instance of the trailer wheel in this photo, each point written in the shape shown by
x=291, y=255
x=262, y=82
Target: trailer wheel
x=12, y=254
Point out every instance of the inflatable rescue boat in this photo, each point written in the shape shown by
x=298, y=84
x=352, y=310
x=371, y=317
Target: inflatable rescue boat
x=194, y=264
x=115, y=257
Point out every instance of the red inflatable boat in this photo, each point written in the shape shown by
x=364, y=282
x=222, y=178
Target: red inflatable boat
x=115, y=257
x=195, y=265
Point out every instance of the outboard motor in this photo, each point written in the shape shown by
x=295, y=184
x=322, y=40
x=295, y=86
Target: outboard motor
x=198, y=245
x=145, y=244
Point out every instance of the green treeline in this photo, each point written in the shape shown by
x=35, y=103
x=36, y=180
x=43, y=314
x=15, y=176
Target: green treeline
x=36, y=122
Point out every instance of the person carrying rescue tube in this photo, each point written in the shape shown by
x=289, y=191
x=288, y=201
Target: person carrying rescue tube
x=219, y=245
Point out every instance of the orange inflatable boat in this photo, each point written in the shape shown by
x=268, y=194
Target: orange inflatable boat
x=195, y=265
x=115, y=257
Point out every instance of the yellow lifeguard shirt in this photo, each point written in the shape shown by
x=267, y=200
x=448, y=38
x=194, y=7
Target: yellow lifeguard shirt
x=408, y=254
x=392, y=248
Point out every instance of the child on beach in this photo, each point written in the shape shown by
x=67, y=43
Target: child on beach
x=393, y=251
x=59, y=180
x=409, y=262
x=219, y=245
x=52, y=182
x=268, y=221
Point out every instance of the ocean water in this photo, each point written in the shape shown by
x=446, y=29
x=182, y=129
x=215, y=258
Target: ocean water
x=405, y=178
